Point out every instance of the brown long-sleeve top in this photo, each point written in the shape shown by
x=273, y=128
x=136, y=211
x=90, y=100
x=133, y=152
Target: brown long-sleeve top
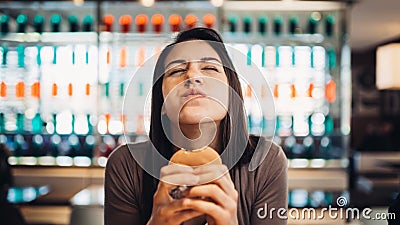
x=259, y=190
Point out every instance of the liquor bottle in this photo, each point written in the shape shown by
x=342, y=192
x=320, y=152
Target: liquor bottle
x=330, y=25
x=4, y=24
x=55, y=23
x=55, y=141
x=313, y=21
x=232, y=20
x=247, y=24
x=209, y=20
x=21, y=20
x=125, y=23
x=73, y=23
x=284, y=125
x=88, y=146
x=309, y=147
x=38, y=23
x=157, y=20
x=38, y=145
x=141, y=21
x=262, y=25
x=87, y=23
x=277, y=25
x=191, y=21
x=175, y=21
x=317, y=124
x=32, y=80
x=293, y=25
x=325, y=148
x=108, y=21
x=20, y=145
x=75, y=148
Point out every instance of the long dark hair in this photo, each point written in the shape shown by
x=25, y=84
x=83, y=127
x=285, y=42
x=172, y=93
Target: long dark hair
x=229, y=136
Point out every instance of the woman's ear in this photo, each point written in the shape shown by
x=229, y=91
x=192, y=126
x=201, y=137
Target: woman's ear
x=163, y=111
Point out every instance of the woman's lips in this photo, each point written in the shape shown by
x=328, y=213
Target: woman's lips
x=193, y=93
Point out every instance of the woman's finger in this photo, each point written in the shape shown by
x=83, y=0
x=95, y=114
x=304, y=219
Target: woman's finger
x=219, y=214
x=188, y=179
x=213, y=192
x=174, y=169
x=217, y=174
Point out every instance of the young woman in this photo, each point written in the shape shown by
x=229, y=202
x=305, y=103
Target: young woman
x=196, y=101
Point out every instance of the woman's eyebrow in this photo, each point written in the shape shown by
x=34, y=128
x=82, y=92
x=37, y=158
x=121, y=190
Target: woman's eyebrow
x=178, y=61
x=211, y=59
x=182, y=61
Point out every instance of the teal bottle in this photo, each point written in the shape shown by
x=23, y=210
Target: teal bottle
x=4, y=24
x=329, y=25
x=293, y=24
x=87, y=24
x=278, y=25
x=21, y=20
x=73, y=23
x=55, y=23
x=38, y=23
x=2, y=123
x=262, y=25
x=247, y=24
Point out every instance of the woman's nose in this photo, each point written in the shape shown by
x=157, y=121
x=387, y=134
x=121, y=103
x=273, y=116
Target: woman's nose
x=194, y=76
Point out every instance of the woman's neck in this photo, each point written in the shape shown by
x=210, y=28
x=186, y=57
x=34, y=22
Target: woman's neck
x=195, y=136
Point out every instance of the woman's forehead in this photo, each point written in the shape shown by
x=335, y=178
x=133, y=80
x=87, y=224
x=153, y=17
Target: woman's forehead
x=197, y=50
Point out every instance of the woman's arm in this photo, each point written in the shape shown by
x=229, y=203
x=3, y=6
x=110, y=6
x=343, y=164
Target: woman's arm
x=120, y=205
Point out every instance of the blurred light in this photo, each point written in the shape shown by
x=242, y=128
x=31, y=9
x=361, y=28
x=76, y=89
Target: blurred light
x=299, y=163
x=147, y=3
x=46, y=160
x=217, y=3
x=317, y=163
x=78, y=2
x=29, y=194
x=64, y=161
x=115, y=127
x=102, y=127
x=83, y=161
x=30, y=113
x=388, y=67
x=102, y=161
x=12, y=160
x=28, y=160
x=82, y=198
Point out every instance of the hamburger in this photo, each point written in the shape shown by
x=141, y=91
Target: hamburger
x=194, y=158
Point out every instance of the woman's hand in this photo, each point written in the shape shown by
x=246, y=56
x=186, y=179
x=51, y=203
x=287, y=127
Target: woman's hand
x=169, y=211
x=221, y=196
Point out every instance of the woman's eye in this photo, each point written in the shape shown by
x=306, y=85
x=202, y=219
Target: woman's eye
x=177, y=72
x=211, y=69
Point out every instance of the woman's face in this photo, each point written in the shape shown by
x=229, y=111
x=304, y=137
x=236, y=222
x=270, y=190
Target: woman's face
x=195, y=85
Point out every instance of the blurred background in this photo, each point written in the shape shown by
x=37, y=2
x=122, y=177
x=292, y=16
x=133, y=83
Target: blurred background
x=332, y=68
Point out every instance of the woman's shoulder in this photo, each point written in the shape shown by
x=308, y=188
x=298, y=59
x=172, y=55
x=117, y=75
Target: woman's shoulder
x=266, y=154
x=127, y=153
